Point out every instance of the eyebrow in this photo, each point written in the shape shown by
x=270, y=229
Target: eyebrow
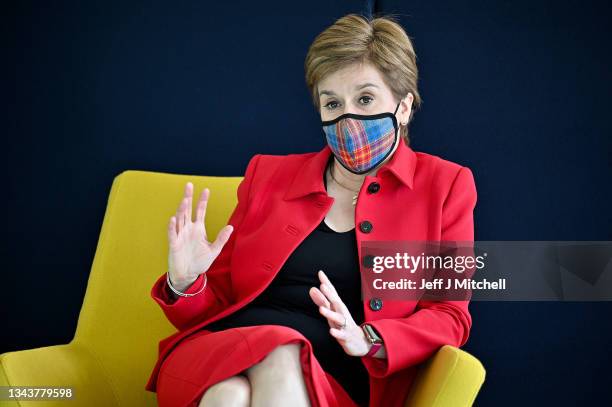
x=358, y=87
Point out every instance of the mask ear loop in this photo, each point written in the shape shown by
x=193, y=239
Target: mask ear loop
x=394, y=113
x=397, y=130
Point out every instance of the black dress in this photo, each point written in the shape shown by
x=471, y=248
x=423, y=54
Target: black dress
x=286, y=302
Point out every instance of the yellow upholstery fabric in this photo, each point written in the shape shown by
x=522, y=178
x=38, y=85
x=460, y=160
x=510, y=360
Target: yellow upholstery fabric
x=114, y=348
x=452, y=377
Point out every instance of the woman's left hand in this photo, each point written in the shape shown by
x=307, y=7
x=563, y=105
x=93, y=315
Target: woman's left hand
x=351, y=337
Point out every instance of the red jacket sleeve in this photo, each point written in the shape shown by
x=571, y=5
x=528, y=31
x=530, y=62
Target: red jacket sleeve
x=185, y=312
x=412, y=340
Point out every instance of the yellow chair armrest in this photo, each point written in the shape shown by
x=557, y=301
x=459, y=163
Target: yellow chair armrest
x=450, y=378
x=69, y=365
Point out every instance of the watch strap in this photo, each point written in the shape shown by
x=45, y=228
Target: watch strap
x=375, y=347
x=372, y=338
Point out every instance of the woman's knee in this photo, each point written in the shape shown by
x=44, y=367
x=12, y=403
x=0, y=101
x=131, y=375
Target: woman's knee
x=282, y=360
x=234, y=391
x=287, y=355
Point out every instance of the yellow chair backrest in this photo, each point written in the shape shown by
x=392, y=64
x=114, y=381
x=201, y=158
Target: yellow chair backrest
x=119, y=321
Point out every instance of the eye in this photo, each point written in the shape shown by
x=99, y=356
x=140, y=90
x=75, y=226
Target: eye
x=328, y=105
x=369, y=99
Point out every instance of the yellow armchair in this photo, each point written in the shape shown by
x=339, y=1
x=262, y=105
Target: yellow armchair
x=113, y=351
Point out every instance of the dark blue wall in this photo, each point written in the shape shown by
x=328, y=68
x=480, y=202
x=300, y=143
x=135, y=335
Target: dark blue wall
x=518, y=91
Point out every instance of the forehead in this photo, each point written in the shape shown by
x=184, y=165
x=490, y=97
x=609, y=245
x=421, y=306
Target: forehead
x=345, y=80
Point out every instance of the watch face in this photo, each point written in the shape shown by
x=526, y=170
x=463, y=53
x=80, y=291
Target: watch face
x=371, y=334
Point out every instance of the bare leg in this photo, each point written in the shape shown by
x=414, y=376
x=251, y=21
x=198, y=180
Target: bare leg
x=231, y=392
x=278, y=379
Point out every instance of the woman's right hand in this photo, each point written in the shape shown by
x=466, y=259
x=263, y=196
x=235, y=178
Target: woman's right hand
x=190, y=252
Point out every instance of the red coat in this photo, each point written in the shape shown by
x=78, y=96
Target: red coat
x=282, y=199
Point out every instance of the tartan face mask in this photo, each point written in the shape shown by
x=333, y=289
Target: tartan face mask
x=361, y=142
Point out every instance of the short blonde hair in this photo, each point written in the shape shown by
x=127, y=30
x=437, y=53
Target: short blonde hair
x=355, y=38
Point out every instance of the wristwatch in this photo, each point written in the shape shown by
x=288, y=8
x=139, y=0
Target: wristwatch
x=372, y=337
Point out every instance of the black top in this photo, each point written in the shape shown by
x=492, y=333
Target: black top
x=286, y=302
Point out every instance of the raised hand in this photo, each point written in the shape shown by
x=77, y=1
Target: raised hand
x=190, y=252
x=350, y=336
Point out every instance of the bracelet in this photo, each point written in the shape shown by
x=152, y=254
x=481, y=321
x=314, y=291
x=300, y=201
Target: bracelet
x=177, y=292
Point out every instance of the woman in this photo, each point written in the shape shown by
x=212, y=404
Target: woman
x=270, y=313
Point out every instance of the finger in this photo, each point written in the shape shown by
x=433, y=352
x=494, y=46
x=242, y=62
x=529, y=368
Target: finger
x=325, y=291
x=176, y=215
x=172, y=237
x=334, y=299
x=189, y=195
x=323, y=277
x=339, y=334
x=184, y=213
x=333, y=316
x=325, y=280
x=202, y=204
x=318, y=297
x=331, y=293
x=180, y=216
x=222, y=238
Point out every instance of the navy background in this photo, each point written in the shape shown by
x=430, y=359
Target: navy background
x=518, y=91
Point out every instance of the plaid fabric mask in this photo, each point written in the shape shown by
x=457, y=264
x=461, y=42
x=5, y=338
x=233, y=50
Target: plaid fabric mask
x=361, y=142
